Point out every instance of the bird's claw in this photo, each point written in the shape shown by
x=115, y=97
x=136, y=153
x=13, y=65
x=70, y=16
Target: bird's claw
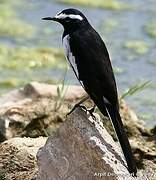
x=76, y=105
x=90, y=111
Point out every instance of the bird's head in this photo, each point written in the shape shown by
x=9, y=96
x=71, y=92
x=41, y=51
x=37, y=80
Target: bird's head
x=71, y=19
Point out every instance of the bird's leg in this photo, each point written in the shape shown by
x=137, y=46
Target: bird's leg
x=79, y=104
x=90, y=111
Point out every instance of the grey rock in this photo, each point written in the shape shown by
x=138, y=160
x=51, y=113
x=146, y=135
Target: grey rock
x=81, y=149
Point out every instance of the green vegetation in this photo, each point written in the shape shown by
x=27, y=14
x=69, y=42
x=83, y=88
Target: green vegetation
x=150, y=29
x=138, y=47
x=118, y=70
x=22, y=64
x=106, y=4
x=11, y=25
x=29, y=58
x=61, y=92
x=138, y=87
x=109, y=25
x=11, y=82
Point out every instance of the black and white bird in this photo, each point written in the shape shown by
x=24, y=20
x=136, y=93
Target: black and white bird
x=89, y=59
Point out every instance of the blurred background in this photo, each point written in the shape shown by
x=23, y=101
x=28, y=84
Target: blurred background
x=31, y=49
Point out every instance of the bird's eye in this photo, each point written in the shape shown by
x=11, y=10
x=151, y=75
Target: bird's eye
x=67, y=19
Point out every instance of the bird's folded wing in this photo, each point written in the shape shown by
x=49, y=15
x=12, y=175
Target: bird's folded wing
x=94, y=64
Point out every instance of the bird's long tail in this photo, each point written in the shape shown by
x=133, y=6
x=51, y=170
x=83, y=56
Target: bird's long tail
x=122, y=137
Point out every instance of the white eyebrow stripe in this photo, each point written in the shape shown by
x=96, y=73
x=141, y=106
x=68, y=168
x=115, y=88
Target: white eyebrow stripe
x=72, y=16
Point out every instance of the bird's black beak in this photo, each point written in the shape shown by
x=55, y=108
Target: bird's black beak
x=50, y=18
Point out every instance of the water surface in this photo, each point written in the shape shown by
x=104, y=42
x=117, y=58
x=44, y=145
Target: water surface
x=132, y=48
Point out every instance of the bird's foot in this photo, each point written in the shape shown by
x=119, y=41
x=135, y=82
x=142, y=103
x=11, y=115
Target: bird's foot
x=90, y=111
x=79, y=105
x=76, y=106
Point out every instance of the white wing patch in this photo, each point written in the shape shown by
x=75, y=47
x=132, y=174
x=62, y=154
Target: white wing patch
x=69, y=55
x=71, y=16
x=70, y=58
